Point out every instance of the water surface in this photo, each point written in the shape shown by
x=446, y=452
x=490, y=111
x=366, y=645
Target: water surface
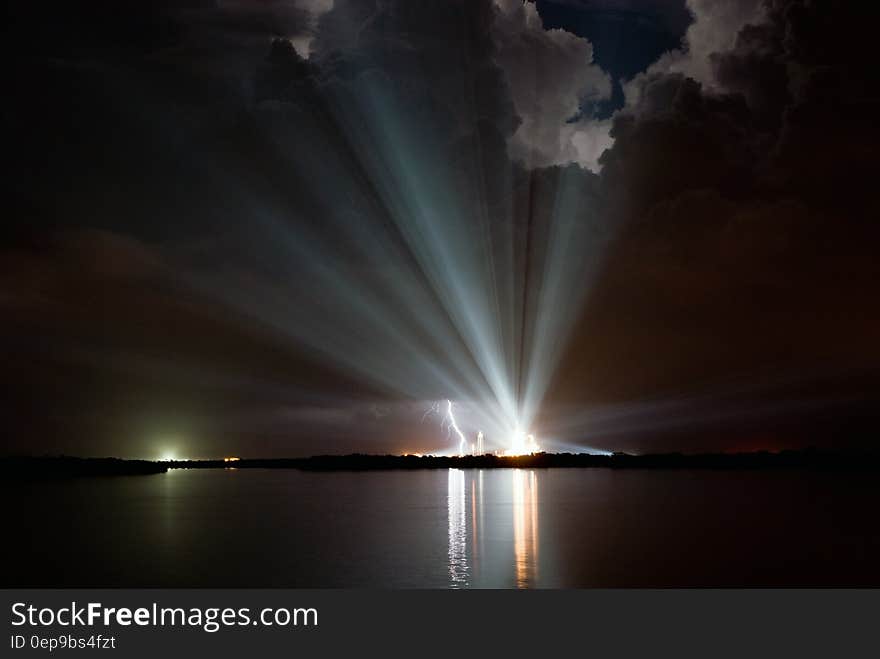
x=454, y=528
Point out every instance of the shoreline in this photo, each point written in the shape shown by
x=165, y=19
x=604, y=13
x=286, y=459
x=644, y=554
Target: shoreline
x=27, y=467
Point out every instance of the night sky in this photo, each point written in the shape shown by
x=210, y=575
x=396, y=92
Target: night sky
x=287, y=228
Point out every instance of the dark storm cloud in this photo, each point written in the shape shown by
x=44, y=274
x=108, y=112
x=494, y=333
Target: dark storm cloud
x=551, y=75
x=437, y=55
x=114, y=101
x=104, y=335
x=676, y=139
x=748, y=213
x=626, y=36
x=784, y=117
x=175, y=39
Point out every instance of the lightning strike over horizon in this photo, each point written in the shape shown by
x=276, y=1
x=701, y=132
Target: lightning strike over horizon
x=453, y=424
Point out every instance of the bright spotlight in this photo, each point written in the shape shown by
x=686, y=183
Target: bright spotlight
x=522, y=443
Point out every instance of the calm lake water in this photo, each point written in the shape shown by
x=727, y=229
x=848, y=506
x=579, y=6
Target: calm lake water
x=446, y=529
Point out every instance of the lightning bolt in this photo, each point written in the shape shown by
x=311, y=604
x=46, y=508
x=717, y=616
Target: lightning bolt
x=435, y=409
x=450, y=417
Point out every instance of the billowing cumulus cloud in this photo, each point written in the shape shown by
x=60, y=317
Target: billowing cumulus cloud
x=715, y=28
x=747, y=213
x=551, y=74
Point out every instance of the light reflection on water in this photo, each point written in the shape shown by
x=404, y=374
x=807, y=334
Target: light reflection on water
x=513, y=547
x=525, y=527
x=458, y=563
x=497, y=528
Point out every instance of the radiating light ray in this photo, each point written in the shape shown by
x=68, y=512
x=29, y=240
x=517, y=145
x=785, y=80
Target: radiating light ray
x=430, y=218
x=741, y=399
x=413, y=279
x=562, y=289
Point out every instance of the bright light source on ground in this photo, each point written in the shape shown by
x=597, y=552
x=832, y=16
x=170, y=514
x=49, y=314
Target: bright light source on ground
x=522, y=444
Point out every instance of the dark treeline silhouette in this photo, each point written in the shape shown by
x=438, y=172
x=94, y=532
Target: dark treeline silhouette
x=806, y=458
x=67, y=466
x=34, y=467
